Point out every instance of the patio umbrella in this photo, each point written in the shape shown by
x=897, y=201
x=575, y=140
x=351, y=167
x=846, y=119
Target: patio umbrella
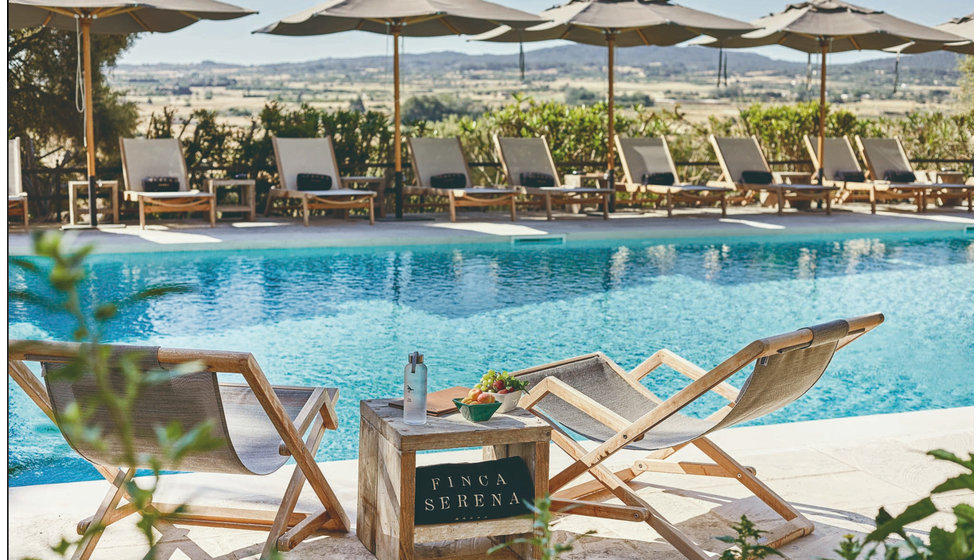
x=623, y=23
x=962, y=27
x=412, y=18
x=822, y=26
x=111, y=16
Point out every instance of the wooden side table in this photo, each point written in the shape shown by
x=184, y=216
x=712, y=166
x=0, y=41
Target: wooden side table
x=377, y=184
x=75, y=186
x=386, y=475
x=246, y=195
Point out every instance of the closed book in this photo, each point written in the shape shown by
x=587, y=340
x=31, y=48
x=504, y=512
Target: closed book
x=438, y=403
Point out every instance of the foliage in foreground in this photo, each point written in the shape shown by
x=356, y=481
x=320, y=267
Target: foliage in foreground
x=542, y=538
x=943, y=545
x=66, y=295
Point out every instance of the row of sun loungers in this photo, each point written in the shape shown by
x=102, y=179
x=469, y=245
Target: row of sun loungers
x=156, y=177
x=589, y=396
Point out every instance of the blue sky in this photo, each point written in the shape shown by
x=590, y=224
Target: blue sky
x=232, y=41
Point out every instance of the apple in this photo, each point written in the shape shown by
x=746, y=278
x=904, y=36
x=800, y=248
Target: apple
x=485, y=398
x=474, y=393
x=498, y=385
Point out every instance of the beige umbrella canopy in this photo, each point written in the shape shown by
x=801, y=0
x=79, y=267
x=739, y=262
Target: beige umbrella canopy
x=962, y=27
x=822, y=26
x=414, y=18
x=111, y=16
x=624, y=23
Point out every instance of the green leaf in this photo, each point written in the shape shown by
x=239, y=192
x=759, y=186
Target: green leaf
x=888, y=524
x=944, y=455
x=22, y=263
x=961, y=482
x=105, y=311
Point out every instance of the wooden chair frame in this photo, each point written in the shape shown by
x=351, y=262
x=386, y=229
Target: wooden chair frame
x=919, y=191
x=670, y=194
x=805, y=191
x=570, y=500
x=17, y=202
x=468, y=197
x=159, y=203
x=556, y=196
x=287, y=528
x=17, y=206
x=309, y=201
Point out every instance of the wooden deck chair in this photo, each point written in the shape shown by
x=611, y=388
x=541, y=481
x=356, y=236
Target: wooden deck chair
x=744, y=168
x=841, y=169
x=526, y=160
x=314, y=155
x=16, y=197
x=444, y=157
x=260, y=426
x=153, y=158
x=649, y=166
x=592, y=396
x=887, y=161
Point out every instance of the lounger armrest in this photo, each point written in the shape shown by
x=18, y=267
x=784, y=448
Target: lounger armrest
x=792, y=177
x=667, y=358
x=230, y=182
x=574, y=397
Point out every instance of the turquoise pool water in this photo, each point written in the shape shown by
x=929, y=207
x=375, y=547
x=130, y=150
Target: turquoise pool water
x=349, y=318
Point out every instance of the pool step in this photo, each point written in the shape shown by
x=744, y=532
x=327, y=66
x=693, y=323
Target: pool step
x=548, y=239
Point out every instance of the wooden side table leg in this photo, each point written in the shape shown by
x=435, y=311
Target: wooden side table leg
x=368, y=470
x=115, y=203
x=396, y=503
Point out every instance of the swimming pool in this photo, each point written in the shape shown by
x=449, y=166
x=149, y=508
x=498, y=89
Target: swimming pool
x=349, y=317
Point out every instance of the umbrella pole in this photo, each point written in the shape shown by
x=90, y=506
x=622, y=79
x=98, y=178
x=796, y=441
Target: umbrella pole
x=610, y=147
x=395, y=32
x=86, y=24
x=823, y=107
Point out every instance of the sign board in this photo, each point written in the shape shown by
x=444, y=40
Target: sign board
x=459, y=492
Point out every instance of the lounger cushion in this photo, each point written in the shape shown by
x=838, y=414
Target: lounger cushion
x=756, y=178
x=313, y=182
x=448, y=181
x=665, y=178
x=898, y=176
x=161, y=184
x=535, y=179
x=849, y=176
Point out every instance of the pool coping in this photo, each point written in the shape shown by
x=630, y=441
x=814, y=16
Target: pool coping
x=266, y=233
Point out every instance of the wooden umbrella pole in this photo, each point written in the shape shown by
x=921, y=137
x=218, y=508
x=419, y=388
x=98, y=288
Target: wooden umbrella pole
x=396, y=32
x=823, y=107
x=610, y=146
x=85, y=22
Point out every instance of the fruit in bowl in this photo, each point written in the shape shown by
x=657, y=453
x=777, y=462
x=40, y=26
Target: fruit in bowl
x=476, y=411
x=503, y=387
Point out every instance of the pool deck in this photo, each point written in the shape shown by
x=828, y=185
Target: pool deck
x=474, y=227
x=837, y=472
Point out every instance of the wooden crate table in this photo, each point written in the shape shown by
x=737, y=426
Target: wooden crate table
x=77, y=187
x=386, y=475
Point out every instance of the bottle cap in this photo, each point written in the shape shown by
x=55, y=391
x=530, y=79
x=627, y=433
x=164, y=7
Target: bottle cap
x=415, y=357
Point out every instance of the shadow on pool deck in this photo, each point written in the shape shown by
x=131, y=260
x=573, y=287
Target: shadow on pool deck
x=495, y=227
x=837, y=472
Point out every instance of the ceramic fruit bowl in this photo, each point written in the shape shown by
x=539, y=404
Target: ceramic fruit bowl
x=476, y=412
x=508, y=401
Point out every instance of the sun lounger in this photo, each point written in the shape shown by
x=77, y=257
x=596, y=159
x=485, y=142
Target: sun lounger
x=888, y=163
x=260, y=427
x=595, y=398
x=841, y=169
x=154, y=159
x=16, y=197
x=443, y=158
x=315, y=156
x=650, y=168
x=744, y=168
x=528, y=165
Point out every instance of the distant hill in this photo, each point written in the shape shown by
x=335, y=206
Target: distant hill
x=578, y=57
